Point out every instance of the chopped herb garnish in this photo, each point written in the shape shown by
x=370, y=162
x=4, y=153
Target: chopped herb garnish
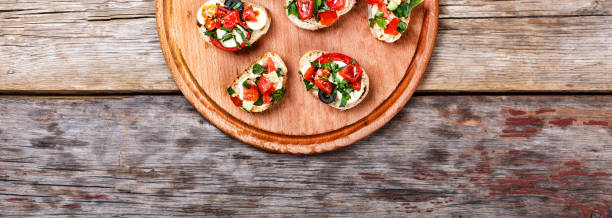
x=235, y=5
x=308, y=84
x=259, y=101
x=323, y=7
x=353, y=61
x=246, y=84
x=237, y=43
x=379, y=20
x=413, y=4
x=258, y=69
x=278, y=95
x=345, y=98
x=317, y=5
x=279, y=72
x=292, y=9
x=333, y=67
x=210, y=33
x=324, y=77
x=316, y=64
x=231, y=91
x=226, y=29
x=227, y=36
x=404, y=9
x=402, y=26
x=244, y=39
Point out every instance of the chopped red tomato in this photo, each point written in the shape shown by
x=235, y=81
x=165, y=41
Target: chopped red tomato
x=265, y=86
x=373, y=2
x=218, y=44
x=231, y=19
x=335, y=4
x=356, y=86
x=270, y=64
x=328, y=17
x=305, y=8
x=309, y=74
x=323, y=83
x=222, y=11
x=334, y=57
x=392, y=27
x=251, y=93
x=266, y=99
x=382, y=7
x=248, y=14
x=351, y=73
x=237, y=101
x=211, y=25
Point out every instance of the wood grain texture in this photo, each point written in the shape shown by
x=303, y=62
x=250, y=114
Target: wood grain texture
x=112, y=46
x=202, y=73
x=444, y=156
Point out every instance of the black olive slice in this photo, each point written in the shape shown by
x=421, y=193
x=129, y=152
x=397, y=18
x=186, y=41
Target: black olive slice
x=327, y=98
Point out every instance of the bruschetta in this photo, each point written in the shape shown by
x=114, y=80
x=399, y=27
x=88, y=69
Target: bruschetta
x=335, y=79
x=317, y=14
x=389, y=18
x=232, y=25
x=261, y=85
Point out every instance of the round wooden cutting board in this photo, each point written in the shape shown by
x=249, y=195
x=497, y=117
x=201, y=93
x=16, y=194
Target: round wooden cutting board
x=300, y=123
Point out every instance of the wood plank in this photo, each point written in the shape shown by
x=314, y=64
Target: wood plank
x=522, y=54
x=112, y=46
x=446, y=156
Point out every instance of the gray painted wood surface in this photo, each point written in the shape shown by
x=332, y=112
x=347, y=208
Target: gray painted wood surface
x=483, y=45
x=446, y=156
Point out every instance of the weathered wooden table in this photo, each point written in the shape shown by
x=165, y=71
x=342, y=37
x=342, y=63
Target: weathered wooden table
x=513, y=118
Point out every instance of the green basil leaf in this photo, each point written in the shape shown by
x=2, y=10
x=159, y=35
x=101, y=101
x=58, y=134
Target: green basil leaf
x=308, y=84
x=292, y=9
x=259, y=101
x=381, y=22
x=237, y=43
x=258, y=69
x=413, y=4
x=402, y=26
x=244, y=39
x=235, y=5
x=345, y=98
x=246, y=84
x=226, y=29
x=231, y=91
x=279, y=72
x=323, y=8
x=278, y=95
x=227, y=36
x=211, y=33
x=317, y=5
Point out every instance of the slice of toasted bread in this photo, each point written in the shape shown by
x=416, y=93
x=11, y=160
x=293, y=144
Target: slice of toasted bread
x=312, y=24
x=248, y=74
x=311, y=56
x=256, y=35
x=379, y=32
